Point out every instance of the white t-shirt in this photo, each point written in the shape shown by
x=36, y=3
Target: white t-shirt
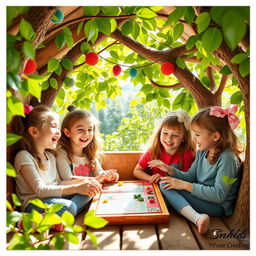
x=42, y=183
x=80, y=166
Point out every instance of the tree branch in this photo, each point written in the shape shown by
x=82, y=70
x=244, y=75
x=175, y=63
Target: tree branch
x=222, y=85
x=172, y=86
x=212, y=81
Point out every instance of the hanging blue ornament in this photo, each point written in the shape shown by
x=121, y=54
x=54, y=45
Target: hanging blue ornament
x=58, y=16
x=133, y=72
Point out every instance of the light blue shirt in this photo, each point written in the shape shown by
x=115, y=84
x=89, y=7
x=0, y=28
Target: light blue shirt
x=207, y=178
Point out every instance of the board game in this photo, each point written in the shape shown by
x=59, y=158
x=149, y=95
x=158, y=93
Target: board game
x=131, y=202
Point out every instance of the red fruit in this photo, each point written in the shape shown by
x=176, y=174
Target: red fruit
x=167, y=68
x=117, y=70
x=30, y=67
x=151, y=200
x=91, y=58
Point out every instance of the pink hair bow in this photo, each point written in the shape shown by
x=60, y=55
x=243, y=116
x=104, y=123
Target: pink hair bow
x=229, y=111
x=28, y=109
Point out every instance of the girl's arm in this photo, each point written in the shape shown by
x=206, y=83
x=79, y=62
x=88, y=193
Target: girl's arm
x=63, y=166
x=42, y=190
x=227, y=166
x=140, y=173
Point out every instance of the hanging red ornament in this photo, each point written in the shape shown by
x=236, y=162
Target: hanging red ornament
x=167, y=68
x=91, y=58
x=117, y=70
x=30, y=67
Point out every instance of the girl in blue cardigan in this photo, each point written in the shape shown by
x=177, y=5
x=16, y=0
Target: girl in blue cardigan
x=210, y=186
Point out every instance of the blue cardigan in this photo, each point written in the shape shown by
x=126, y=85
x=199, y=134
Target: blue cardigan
x=207, y=178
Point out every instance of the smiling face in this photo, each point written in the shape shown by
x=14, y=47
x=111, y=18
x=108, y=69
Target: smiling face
x=48, y=135
x=171, y=138
x=80, y=134
x=204, y=139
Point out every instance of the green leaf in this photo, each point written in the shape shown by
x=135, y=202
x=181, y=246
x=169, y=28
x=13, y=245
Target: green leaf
x=38, y=203
x=13, y=217
x=13, y=59
x=91, y=11
x=127, y=28
x=72, y=238
x=181, y=63
x=67, y=64
x=9, y=206
x=52, y=65
x=202, y=21
x=146, y=13
x=80, y=27
x=225, y=70
x=36, y=217
x=236, y=98
x=217, y=13
x=60, y=40
x=68, y=219
x=104, y=25
x=53, y=83
x=13, y=81
x=113, y=25
x=15, y=106
x=189, y=15
x=135, y=31
x=12, y=138
x=110, y=10
x=149, y=97
x=45, y=85
x=114, y=54
x=26, y=30
x=92, y=237
x=244, y=68
x=28, y=50
x=55, y=207
x=77, y=229
x=85, y=47
x=212, y=39
x=239, y=58
x=174, y=17
x=10, y=171
x=50, y=219
x=103, y=86
x=90, y=29
x=92, y=221
x=234, y=28
x=68, y=37
x=34, y=88
x=133, y=103
x=177, y=31
x=228, y=180
x=58, y=242
x=191, y=42
x=179, y=100
x=167, y=103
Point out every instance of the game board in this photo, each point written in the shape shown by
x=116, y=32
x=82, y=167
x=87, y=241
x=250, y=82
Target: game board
x=131, y=202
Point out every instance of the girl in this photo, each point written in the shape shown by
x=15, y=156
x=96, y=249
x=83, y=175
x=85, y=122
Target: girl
x=210, y=186
x=79, y=145
x=35, y=164
x=171, y=144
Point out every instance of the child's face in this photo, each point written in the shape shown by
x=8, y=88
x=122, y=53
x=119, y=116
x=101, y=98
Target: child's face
x=49, y=134
x=202, y=137
x=171, y=138
x=81, y=133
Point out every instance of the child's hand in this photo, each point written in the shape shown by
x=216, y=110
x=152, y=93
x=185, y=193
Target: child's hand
x=89, y=188
x=159, y=164
x=114, y=174
x=173, y=183
x=108, y=175
x=155, y=178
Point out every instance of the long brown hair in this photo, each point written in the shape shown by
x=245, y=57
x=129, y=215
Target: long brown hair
x=169, y=122
x=91, y=151
x=228, y=138
x=38, y=117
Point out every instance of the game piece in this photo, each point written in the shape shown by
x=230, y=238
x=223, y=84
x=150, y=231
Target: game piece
x=148, y=188
x=120, y=183
x=151, y=200
x=105, y=201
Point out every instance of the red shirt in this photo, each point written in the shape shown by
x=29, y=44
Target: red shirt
x=188, y=158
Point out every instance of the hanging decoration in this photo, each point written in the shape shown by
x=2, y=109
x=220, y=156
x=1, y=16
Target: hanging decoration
x=167, y=68
x=30, y=67
x=91, y=58
x=133, y=72
x=117, y=70
x=58, y=16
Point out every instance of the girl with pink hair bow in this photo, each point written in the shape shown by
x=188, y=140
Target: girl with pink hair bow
x=210, y=186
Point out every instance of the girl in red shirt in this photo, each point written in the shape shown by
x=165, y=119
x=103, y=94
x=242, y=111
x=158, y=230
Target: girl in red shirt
x=170, y=144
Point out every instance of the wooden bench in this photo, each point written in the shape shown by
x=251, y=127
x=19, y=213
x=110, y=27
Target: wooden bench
x=178, y=234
